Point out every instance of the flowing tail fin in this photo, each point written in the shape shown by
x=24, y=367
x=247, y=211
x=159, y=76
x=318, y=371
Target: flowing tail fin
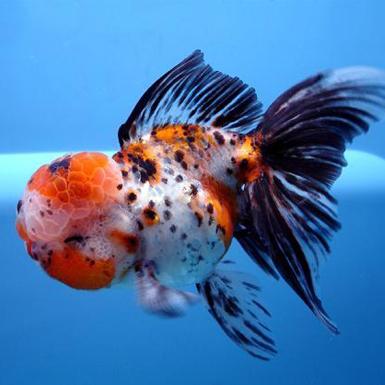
x=302, y=137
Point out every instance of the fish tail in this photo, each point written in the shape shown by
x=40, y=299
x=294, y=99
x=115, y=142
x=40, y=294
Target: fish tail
x=290, y=215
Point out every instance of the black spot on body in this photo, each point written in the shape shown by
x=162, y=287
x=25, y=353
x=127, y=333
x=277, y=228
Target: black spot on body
x=19, y=204
x=124, y=173
x=143, y=177
x=232, y=142
x=179, y=155
x=167, y=202
x=119, y=186
x=244, y=163
x=229, y=171
x=150, y=214
x=132, y=241
x=179, y=178
x=184, y=165
x=140, y=225
x=199, y=218
x=149, y=166
x=194, y=190
x=219, y=138
x=210, y=208
x=167, y=215
x=173, y=228
x=64, y=163
x=131, y=197
x=151, y=204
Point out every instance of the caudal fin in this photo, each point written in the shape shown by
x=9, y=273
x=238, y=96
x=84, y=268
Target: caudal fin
x=302, y=138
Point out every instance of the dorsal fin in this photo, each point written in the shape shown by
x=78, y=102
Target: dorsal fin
x=192, y=92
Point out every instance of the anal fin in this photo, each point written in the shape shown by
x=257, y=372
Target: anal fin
x=232, y=299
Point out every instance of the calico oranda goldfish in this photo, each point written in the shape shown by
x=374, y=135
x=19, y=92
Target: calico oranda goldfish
x=199, y=165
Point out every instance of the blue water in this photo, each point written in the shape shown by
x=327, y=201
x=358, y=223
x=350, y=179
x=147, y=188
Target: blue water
x=70, y=73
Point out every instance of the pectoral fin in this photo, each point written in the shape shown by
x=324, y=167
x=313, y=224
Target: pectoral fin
x=157, y=298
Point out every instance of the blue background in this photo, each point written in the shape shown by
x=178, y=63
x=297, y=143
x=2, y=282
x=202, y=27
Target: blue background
x=70, y=72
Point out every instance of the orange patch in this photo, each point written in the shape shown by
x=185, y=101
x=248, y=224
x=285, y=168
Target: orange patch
x=129, y=241
x=184, y=134
x=21, y=231
x=28, y=246
x=78, y=271
x=224, y=206
x=248, y=159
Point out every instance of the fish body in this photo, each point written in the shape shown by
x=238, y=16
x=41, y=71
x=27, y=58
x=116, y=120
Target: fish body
x=200, y=165
x=174, y=201
x=181, y=182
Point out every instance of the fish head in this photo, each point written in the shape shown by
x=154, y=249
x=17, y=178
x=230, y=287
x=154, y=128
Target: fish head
x=74, y=224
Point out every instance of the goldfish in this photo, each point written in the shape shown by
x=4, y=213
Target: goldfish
x=201, y=164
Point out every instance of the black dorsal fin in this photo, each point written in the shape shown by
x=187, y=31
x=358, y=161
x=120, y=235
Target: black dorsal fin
x=192, y=92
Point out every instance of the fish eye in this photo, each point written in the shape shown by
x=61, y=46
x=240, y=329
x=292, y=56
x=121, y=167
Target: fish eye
x=18, y=207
